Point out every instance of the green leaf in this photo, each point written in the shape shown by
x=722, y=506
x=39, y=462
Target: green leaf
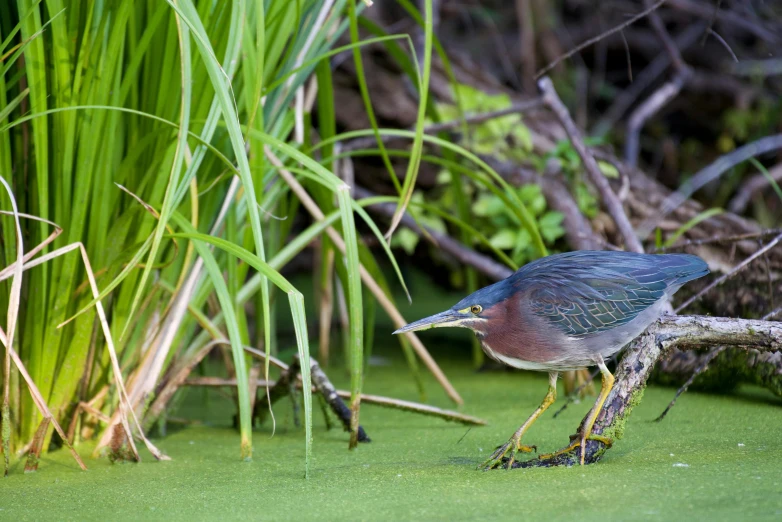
x=608, y=169
x=488, y=205
x=406, y=239
x=550, y=226
x=532, y=196
x=505, y=239
x=523, y=136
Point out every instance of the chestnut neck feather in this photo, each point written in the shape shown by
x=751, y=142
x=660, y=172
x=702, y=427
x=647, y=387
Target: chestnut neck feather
x=514, y=332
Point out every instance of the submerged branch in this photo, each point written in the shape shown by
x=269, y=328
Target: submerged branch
x=323, y=386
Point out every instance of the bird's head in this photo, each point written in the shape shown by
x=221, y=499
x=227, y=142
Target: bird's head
x=476, y=311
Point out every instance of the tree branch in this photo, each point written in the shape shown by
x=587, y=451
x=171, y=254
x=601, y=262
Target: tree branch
x=682, y=332
x=707, y=175
x=610, y=200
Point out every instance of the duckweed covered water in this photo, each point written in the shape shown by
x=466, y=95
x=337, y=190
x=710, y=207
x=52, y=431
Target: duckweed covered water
x=714, y=457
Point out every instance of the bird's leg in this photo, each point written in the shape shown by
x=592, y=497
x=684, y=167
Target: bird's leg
x=514, y=443
x=605, y=389
x=586, y=432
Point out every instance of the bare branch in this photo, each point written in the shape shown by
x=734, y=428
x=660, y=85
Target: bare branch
x=699, y=370
x=611, y=202
x=720, y=239
x=642, y=81
x=751, y=187
x=597, y=38
x=707, y=175
x=706, y=11
x=651, y=106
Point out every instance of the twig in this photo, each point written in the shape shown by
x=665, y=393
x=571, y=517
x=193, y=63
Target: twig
x=627, y=58
x=262, y=355
x=670, y=47
x=713, y=19
x=751, y=187
x=415, y=407
x=699, y=370
x=378, y=400
x=724, y=44
x=219, y=382
x=659, y=98
x=597, y=38
x=611, y=202
x=284, y=386
x=707, y=175
x=772, y=314
x=741, y=266
x=731, y=19
x=327, y=390
x=626, y=98
x=656, y=101
x=719, y=239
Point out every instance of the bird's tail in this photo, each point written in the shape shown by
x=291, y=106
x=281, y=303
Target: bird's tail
x=683, y=268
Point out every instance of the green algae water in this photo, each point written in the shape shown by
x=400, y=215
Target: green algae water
x=714, y=457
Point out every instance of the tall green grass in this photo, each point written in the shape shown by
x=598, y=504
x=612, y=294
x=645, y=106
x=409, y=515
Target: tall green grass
x=155, y=134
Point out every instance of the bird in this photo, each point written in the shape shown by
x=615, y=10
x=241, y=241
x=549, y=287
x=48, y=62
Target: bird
x=563, y=312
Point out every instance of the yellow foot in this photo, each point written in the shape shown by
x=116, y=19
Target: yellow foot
x=512, y=446
x=576, y=441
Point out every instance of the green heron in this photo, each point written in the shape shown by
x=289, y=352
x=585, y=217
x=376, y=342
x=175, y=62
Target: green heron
x=567, y=312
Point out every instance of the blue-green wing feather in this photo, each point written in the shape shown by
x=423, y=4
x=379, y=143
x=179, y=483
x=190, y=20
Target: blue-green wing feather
x=585, y=293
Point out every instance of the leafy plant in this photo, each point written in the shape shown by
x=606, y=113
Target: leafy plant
x=506, y=137
x=491, y=215
x=189, y=106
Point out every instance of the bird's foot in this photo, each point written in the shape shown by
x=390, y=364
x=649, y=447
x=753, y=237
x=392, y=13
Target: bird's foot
x=578, y=441
x=513, y=446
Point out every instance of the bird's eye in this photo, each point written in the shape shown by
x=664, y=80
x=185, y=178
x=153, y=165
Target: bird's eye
x=476, y=309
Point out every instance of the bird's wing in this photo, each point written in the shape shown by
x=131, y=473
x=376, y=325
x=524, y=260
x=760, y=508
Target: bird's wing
x=587, y=305
x=583, y=292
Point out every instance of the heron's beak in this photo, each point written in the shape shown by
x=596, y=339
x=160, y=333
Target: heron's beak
x=447, y=318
